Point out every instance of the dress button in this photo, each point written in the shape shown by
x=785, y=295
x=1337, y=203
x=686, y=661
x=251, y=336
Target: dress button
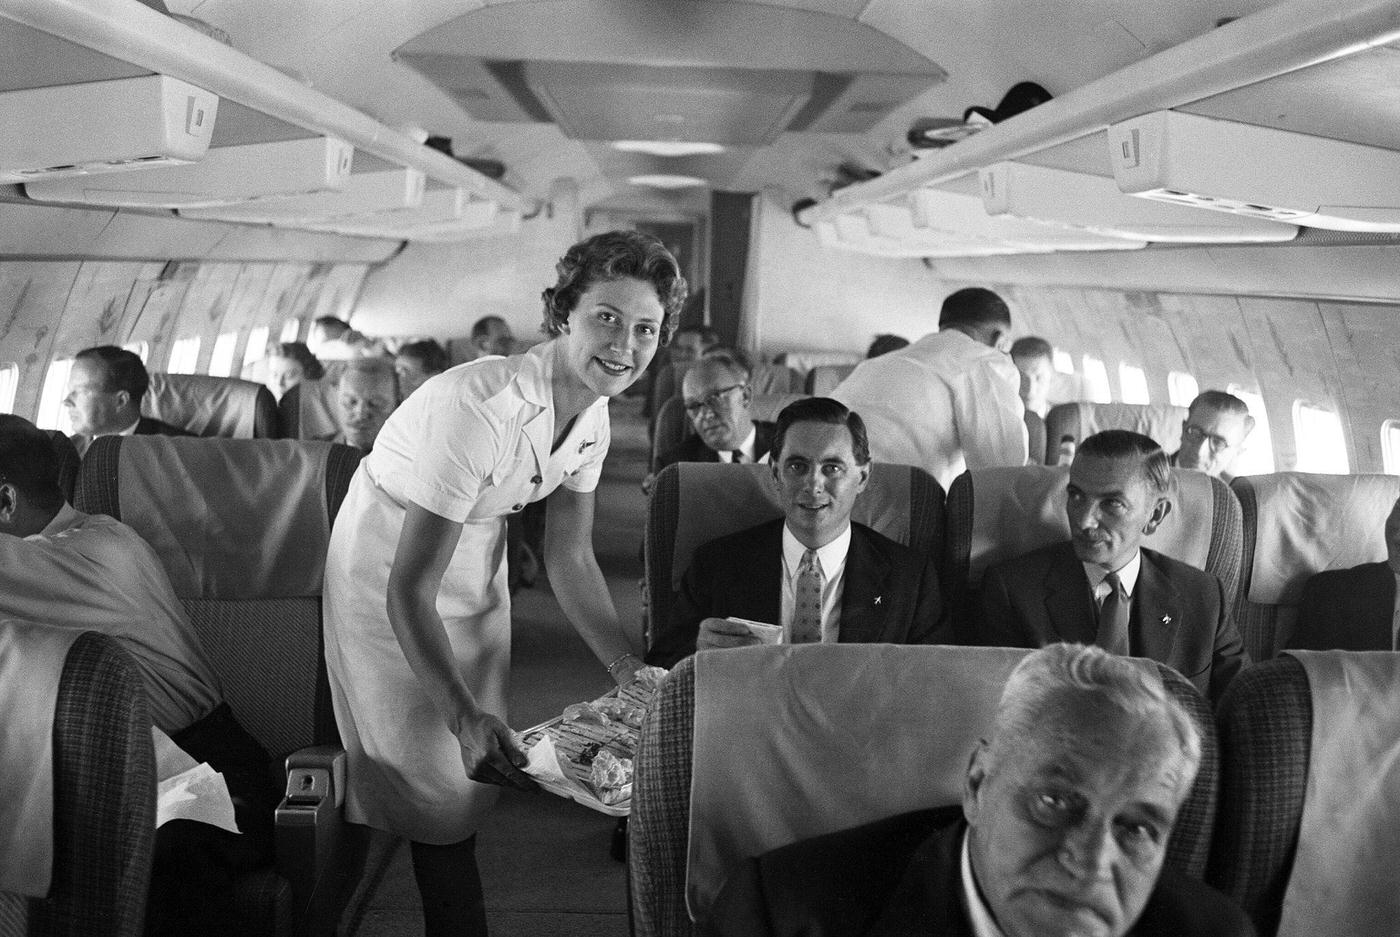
x=518, y=507
x=537, y=479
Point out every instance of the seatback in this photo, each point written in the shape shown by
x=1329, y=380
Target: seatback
x=213, y=406
x=1265, y=727
x=241, y=527
x=1310, y=825
x=1037, y=441
x=104, y=814
x=998, y=514
x=673, y=425
x=1296, y=524
x=68, y=462
x=916, y=712
x=308, y=410
x=692, y=503
x=666, y=385
x=1083, y=419
x=824, y=378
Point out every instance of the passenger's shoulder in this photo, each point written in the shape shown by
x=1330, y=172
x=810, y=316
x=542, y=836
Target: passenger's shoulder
x=1179, y=571
x=1038, y=559
x=892, y=549
x=892, y=839
x=742, y=541
x=1182, y=906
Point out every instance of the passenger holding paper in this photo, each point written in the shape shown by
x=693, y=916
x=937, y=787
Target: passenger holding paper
x=417, y=608
x=814, y=573
x=87, y=572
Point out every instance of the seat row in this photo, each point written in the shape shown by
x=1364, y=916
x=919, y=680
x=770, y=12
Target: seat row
x=877, y=730
x=241, y=527
x=237, y=409
x=1262, y=535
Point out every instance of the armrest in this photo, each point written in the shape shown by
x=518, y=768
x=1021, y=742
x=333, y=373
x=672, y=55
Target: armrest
x=318, y=853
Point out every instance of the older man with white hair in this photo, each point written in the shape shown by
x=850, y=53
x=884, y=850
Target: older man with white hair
x=1066, y=812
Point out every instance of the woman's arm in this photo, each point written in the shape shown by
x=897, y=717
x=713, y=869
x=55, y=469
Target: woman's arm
x=578, y=582
x=425, y=547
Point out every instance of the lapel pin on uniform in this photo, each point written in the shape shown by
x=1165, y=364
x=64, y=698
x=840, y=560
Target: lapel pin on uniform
x=584, y=445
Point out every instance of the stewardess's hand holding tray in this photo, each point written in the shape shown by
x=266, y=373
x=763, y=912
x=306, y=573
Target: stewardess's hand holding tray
x=586, y=752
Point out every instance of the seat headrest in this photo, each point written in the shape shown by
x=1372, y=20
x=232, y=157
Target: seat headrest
x=316, y=416
x=1083, y=419
x=209, y=406
x=909, y=714
x=229, y=518
x=718, y=498
x=1304, y=524
x=1019, y=509
x=772, y=379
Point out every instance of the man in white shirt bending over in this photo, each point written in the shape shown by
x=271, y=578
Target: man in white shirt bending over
x=950, y=401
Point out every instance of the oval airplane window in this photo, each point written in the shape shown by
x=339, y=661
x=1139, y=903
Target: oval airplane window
x=1390, y=446
x=51, y=414
x=1095, y=384
x=9, y=384
x=1322, y=443
x=221, y=359
x=1257, y=456
x=1133, y=382
x=290, y=330
x=1182, y=388
x=184, y=356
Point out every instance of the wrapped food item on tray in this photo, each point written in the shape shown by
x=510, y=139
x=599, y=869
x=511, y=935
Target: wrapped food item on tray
x=586, y=752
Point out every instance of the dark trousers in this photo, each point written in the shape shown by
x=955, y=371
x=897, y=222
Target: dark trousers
x=197, y=865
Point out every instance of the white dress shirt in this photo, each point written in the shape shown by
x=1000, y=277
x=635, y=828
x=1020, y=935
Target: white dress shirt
x=833, y=561
x=978, y=915
x=945, y=404
x=746, y=447
x=1127, y=575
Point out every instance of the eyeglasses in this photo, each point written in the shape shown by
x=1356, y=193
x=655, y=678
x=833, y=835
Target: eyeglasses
x=711, y=401
x=1195, y=435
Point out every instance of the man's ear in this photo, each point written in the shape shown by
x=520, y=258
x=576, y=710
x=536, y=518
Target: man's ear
x=864, y=477
x=9, y=503
x=975, y=779
x=1000, y=339
x=1160, y=510
x=123, y=398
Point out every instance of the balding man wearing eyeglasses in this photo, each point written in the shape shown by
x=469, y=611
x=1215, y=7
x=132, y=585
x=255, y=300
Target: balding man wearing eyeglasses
x=717, y=401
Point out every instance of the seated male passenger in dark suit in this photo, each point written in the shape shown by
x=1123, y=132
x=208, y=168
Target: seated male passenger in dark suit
x=104, y=394
x=1353, y=609
x=1101, y=587
x=1213, y=433
x=64, y=568
x=814, y=572
x=1063, y=829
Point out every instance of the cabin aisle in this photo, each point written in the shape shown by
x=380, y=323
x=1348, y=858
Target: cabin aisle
x=544, y=860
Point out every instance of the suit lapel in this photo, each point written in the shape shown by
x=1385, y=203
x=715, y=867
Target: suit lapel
x=928, y=898
x=863, y=600
x=1155, y=625
x=1067, y=601
x=764, y=569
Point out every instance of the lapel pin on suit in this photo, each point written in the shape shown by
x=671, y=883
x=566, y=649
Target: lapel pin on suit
x=878, y=598
x=1166, y=619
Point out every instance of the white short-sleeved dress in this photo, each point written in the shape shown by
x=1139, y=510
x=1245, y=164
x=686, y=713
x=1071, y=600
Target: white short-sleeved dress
x=471, y=445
